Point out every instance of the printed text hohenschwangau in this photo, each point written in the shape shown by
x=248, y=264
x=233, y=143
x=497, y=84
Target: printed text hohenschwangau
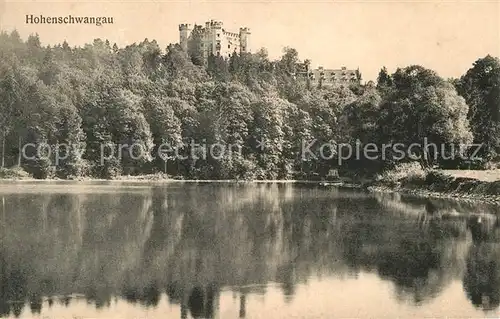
x=96, y=20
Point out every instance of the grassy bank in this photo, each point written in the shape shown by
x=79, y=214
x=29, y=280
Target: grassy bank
x=410, y=179
x=482, y=175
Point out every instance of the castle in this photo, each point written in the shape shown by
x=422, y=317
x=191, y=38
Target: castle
x=215, y=39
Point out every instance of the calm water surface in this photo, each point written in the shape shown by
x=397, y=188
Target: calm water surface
x=108, y=250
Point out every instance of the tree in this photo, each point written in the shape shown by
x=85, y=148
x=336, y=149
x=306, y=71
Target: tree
x=268, y=137
x=358, y=120
x=70, y=140
x=177, y=64
x=480, y=87
x=8, y=92
x=217, y=67
x=49, y=68
x=424, y=107
x=358, y=124
x=194, y=49
x=165, y=127
x=384, y=80
x=289, y=60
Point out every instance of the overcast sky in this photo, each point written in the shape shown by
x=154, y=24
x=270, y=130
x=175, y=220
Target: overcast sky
x=447, y=36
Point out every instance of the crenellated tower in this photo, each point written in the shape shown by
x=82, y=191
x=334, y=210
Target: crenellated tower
x=244, y=40
x=214, y=35
x=184, y=34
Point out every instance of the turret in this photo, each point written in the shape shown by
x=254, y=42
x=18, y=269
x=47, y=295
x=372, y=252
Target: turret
x=184, y=33
x=214, y=24
x=245, y=39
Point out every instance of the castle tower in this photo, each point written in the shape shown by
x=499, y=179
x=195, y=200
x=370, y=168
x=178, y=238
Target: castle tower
x=184, y=33
x=244, y=40
x=216, y=35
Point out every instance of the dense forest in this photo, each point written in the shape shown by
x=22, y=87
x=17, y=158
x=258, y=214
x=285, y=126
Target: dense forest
x=144, y=95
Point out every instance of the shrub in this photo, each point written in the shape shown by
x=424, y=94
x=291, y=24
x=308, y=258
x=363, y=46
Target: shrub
x=41, y=168
x=404, y=173
x=111, y=169
x=73, y=170
x=14, y=173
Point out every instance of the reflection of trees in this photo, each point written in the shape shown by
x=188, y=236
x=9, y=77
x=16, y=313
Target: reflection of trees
x=191, y=241
x=37, y=233
x=148, y=296
x=113, y=243
x=52, y=240
x=419, y=271
x=420, y=261
x=13, y=288
x=482, y=276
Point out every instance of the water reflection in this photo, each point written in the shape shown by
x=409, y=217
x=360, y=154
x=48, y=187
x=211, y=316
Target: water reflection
x=193, y=242
x=482, y=276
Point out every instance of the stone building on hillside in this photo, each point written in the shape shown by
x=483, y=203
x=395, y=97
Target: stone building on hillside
x=332, y=77
x=327, y=77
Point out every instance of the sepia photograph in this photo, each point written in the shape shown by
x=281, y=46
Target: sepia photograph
x=268, y=159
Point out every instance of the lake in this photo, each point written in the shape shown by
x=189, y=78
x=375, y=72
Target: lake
x=223, y=250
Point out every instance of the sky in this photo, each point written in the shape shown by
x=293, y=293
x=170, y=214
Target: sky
x=446, y=36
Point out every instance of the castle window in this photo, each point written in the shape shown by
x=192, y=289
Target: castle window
x=218, y=34
x=229, y=46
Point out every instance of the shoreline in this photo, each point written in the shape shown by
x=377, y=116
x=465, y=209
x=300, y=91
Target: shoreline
x=438, y=184
x=423, y=193
x=371, y=186
x=164, y=180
